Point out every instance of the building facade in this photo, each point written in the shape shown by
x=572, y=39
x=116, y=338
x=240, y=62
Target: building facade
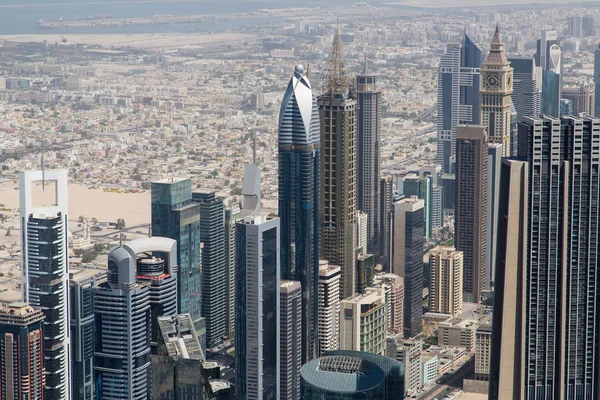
x=394, y=287
x=45, y=274
x=386, y=195
x=494, y=162
x=298, y=196
x=527, y=87
x=232, y=214
x=446, y=281
x=329, y=307
x=290, y=334
x=470, y=227
x=363, y=322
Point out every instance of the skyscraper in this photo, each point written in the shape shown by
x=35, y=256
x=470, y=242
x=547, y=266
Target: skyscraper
x=299, y=158
x=329, y=307
x=22, y=361
x=385, y=218
x=394, y=301
x=81, y=283
x=368, y=131
x=496, y=91
x=527, y=87
x=363, y=322
x=458, y=95
x=232, y=214
x=257, y=357
x=549, y=58
x=214, y=274
x=175, y=216
x=582, y=97
x=597, y=82
x=337, y=210
x=407, y=260
x=290, y=332
x=470, y=227
x=550, y=283
x=494, y=161
x=445, y=284
x=45, y=274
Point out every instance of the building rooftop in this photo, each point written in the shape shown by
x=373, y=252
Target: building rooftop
x=342, y=374
x=179, y=337
x=19, y=313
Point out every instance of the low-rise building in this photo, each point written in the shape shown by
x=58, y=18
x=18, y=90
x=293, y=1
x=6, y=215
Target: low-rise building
x=457, y=332
x=430, y=368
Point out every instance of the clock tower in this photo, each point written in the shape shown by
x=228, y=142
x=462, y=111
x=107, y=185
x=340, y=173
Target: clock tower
x=495, y=93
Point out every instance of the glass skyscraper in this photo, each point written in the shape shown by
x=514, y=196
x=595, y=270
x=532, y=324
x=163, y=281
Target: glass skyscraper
x=299, y=156
x=175, y=216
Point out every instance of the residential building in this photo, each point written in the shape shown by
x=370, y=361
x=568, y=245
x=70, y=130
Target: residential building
x=394, y=301
x=21, y=346
x=368, y=138
x=82, y=282
x=45, y=273
x=298, y=196
x=496, y=91
x=214, y=274
x=457, y=332
x=445, y=284
x=257, y=323
x=363, y=322
x=337, y=210
x=329, y=307
x=407, y=259
x=290, y=334
x=470, y=226
x=347, y=375
x=176, y=216
x=408, y=352
x=483, y=351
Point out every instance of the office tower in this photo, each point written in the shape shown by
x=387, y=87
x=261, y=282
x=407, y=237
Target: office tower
x=449, y=190
x=496, y=91
x=257, y=301
x=494, y=152
x=122, y=323
x=445, y=284
x=299, y=158
x=178, y=368
x=566, y=107
x=483, y=350
x=581, y=26
x=408, y=352
x=45, y=274
x=22, y=362
x=547, y=39
x=597, y=82
x=214, y=274
x=290, y=335
x=363, y=322
x=394, y=300
x=368, y=132
x=582, y=98
x=365, y=267
x=176, y=217
x=81, y=284
x=470, y=226
x=558, y=217
x=507, y=365
x=385, y=215
x=527, y=87
x=422, y=188
x=458, y=95
x=232, y=214
x=549, y=58
x=329, y=307
x=407, y=259
x=514, y=130
x=361, y=232
x=337, y=210
x=347, y=375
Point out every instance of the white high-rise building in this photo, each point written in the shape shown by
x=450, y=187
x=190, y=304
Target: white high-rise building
x=329, y=307
x=446, y=281
x=45, y=271
x=363, y=322
x=394, y=287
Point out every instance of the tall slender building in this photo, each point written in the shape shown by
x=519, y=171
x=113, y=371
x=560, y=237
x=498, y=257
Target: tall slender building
x=550, y=274
x=257, y=323
x=368, y=133
x=470, y=227
x=385, y=220
x=494, y=162
x=527, y=87
x=214, y=275
x=445, y=284
x=458, y=95
x=407, y=259
x=496, y=91
x=337, y=210
x=597, y=82
x=22, y=361
x=45, y=274
x=329, y=307
x=299, y=158
x=175, y=216
x=549, y=57
x=232, y=214
x=290, y=332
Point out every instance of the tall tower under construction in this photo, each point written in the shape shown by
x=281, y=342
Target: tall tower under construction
x=337, y=211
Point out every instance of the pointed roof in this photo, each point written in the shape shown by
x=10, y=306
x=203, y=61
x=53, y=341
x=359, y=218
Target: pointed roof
x=496, y=55
x=496, y=39
x=336, y=78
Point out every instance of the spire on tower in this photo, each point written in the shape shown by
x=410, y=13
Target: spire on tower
x=365, y=66
x=496, y=39
x=335, y=77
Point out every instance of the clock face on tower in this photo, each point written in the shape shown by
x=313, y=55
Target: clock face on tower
x=492, y=82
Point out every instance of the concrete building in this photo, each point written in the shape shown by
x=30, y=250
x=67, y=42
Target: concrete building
x=494, y=162
x=582, y=98
x=446, y=281
x=527, y=87
x=407, y=259
x=232, y=214
x=290, y=335
x=483, y=351
x=45, y=273
x=329, y=307
x=457, y=332
x=385, y=221
x=408, y=352
x=363, y=322
x=394, y=292
x=430, y=368
x=257, y=323
x=470, y=227
x=21, y=347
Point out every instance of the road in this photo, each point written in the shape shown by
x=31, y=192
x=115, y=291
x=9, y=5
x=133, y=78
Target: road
x=450, y=382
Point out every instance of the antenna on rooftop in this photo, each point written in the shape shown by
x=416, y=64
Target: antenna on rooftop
x=43, y=170
x=254, y=148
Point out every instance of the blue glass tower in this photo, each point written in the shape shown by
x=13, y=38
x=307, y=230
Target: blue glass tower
x=176, y=217
x=299, y=143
